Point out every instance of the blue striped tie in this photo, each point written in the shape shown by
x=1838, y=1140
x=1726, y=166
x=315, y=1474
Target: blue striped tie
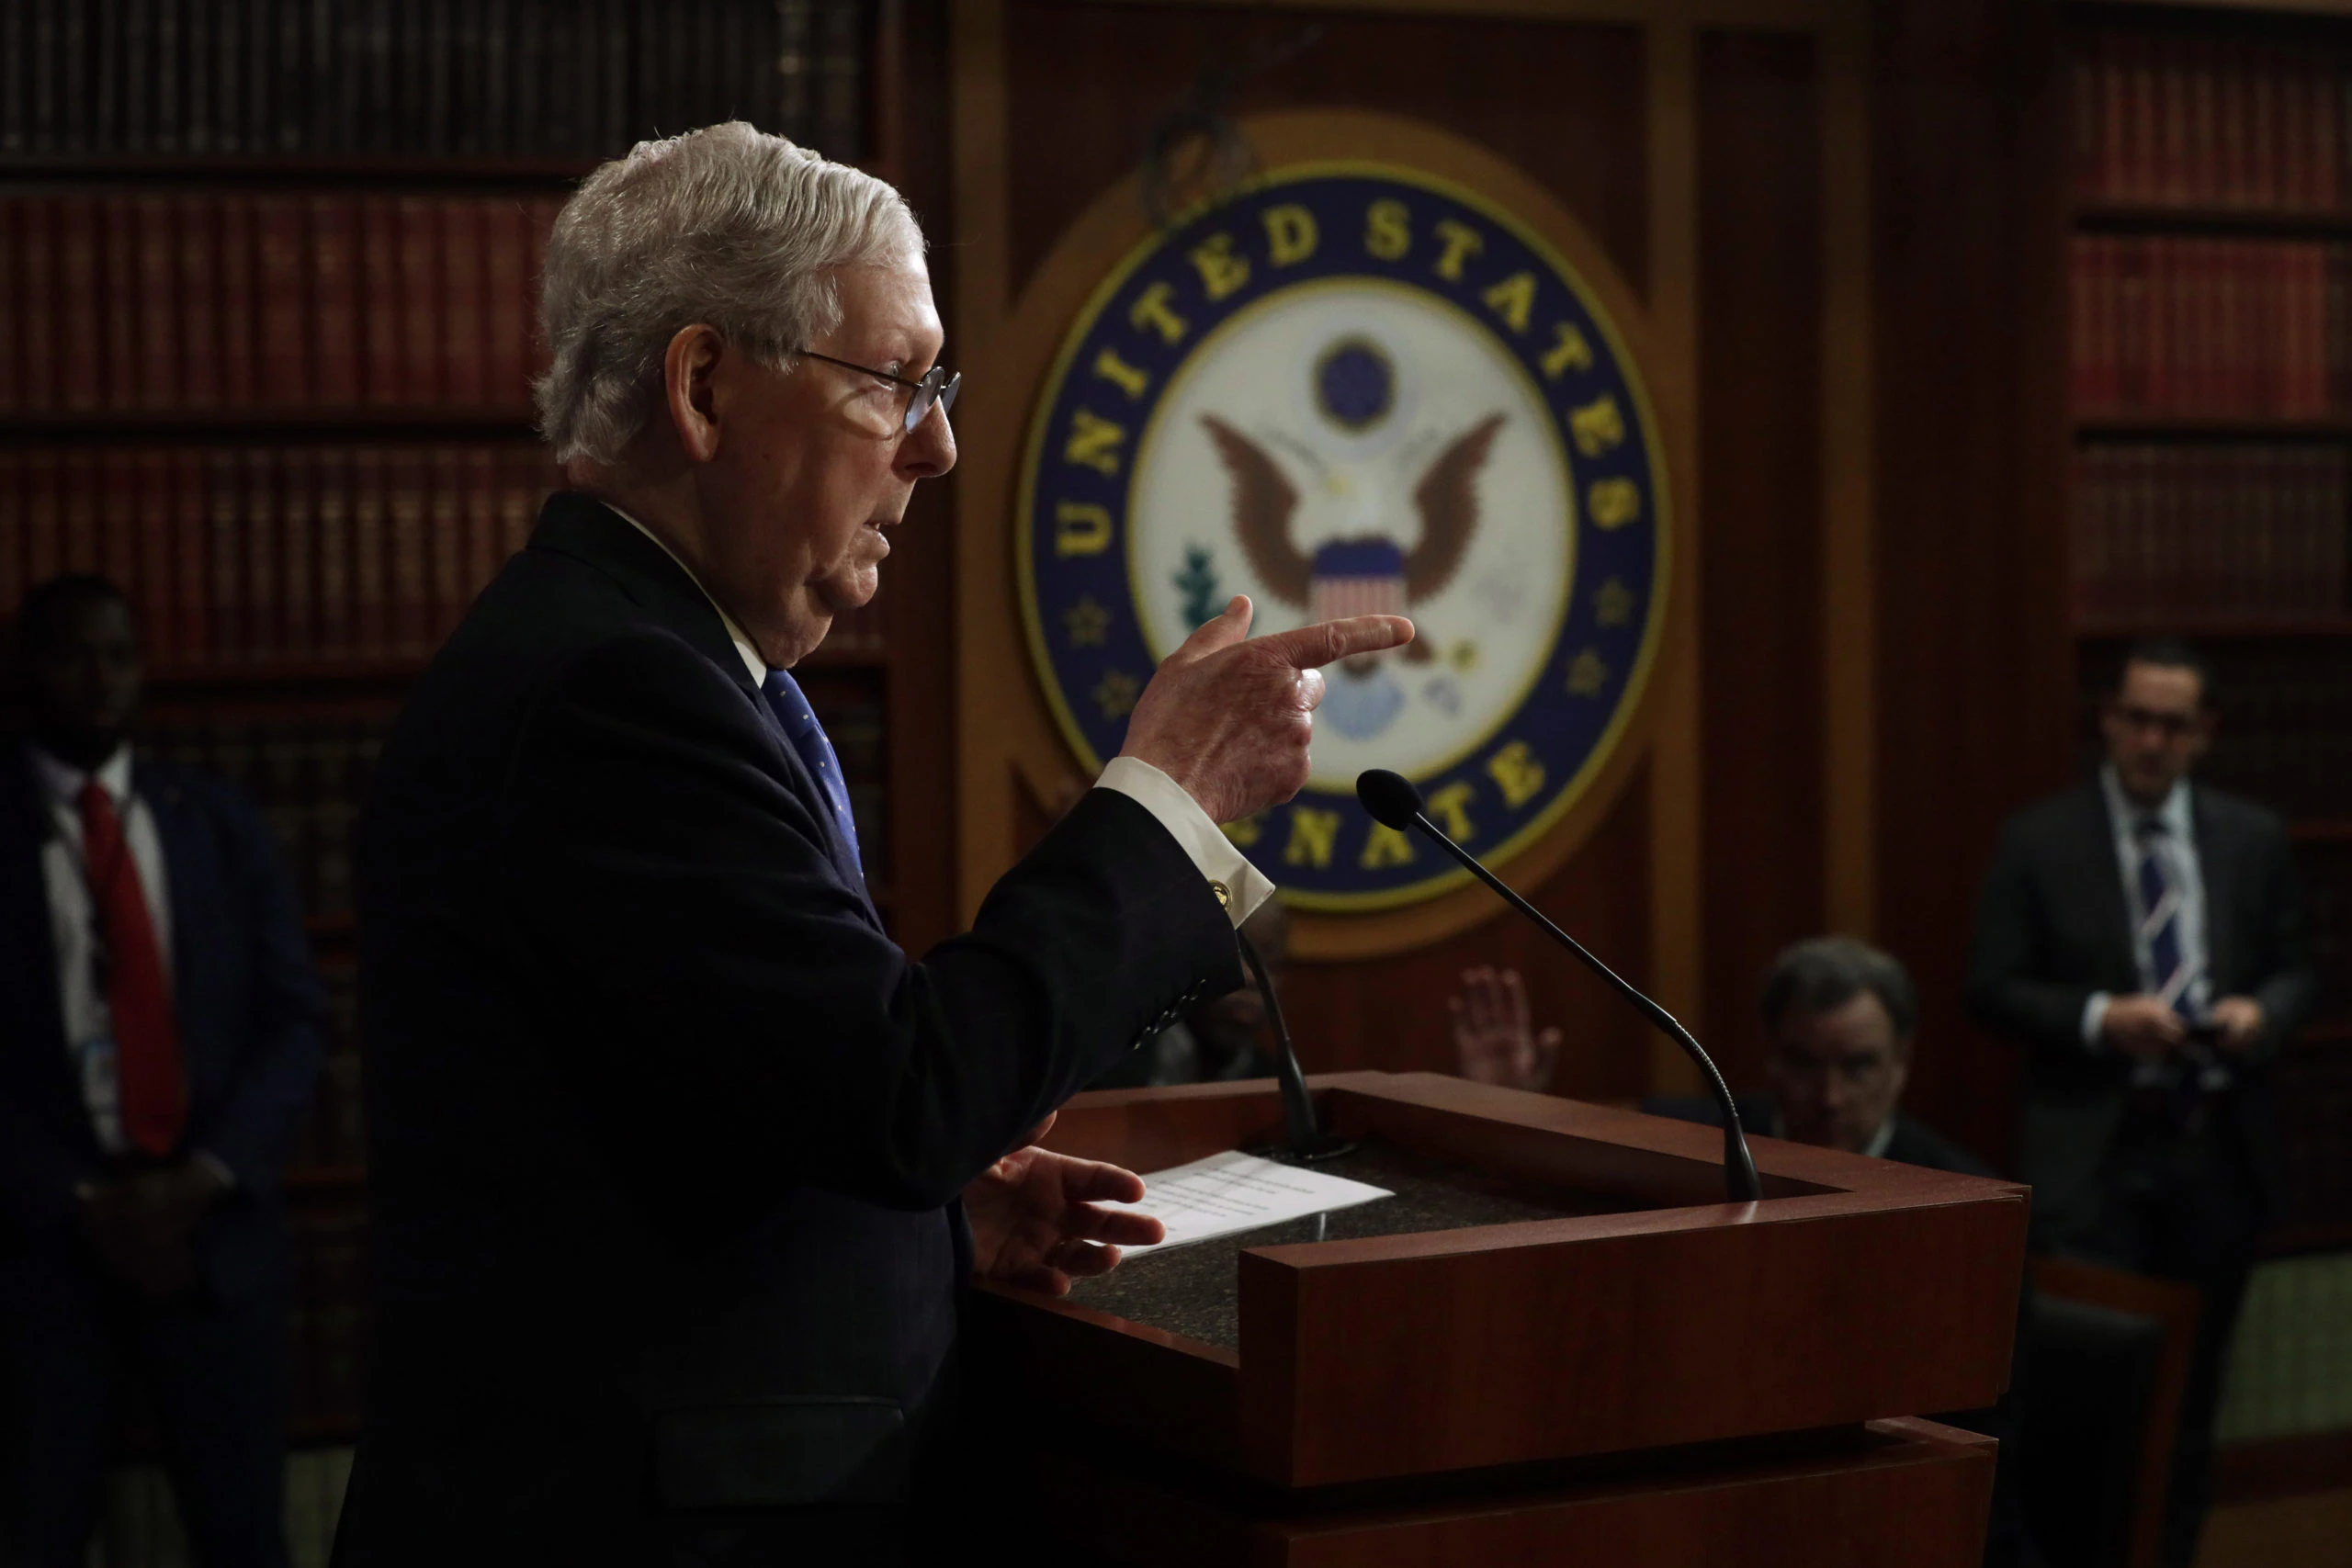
x=808, y=737
x=2160, y=912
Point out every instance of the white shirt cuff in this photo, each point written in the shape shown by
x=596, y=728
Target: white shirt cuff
x=1246, y=886
x=2094, y=1019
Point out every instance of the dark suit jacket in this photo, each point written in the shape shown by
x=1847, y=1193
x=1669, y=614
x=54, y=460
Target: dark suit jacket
x=664, y=1131
x=2052, y=926
x=246, y=999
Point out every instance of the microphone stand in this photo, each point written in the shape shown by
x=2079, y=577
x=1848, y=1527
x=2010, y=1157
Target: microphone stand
x=1739, y=1166
x=1308, y=1143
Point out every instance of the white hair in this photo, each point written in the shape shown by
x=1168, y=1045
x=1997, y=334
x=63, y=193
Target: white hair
x=727, y=226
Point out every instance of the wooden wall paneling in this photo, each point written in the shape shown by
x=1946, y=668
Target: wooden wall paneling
x=1760, y=282
x=921, y=576
x=1975, y=698
x=1598, y=100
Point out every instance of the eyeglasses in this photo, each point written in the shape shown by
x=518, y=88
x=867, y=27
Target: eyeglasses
x=2171, y=726
x=936, y=387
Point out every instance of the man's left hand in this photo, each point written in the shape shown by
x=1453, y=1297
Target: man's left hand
x=2240, y=1020
x=1034, y=1223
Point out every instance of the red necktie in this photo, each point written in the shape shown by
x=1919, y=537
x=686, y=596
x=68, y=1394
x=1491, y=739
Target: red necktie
x=146, y=1039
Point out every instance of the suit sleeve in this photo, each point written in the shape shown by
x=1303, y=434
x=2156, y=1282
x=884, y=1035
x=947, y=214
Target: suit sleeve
x=2288, y=990
x=2006, y=961
x=278, y=1068
x=730, y=1000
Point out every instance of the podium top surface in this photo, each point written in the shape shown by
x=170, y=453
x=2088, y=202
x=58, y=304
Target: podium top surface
x=1552, y=1280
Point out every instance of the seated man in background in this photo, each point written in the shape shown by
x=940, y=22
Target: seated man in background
x=160, y=1030
x=1841, y=1015
x=1220, y=1040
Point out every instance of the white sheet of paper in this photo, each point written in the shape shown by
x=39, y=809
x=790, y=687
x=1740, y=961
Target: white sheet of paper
x=1235, y=1191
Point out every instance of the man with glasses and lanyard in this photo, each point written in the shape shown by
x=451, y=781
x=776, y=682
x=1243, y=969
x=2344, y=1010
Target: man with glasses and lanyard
x=676, y=1162
x=2142, y=937
x=160, y=1032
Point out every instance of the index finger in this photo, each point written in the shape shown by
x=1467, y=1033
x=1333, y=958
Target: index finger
x=1326, y=642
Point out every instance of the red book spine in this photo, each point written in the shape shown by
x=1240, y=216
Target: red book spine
x=370, y=613
x=2172, y=156
x=2204, y=130
x=447, y=524
x=2114, y=107
x=44, y=522
x=159, y=298
x=404, y=509
x=2294, y=127
x=506, y=330
x=335, y=309
x=117, y=549
x=196, y=231
x=2080, y=335
x=78, y=481
x=2262, y=130
x=2327, y=135
x=461, y=302
x=2131, y=299
x=542, y=221
x=2141, y=150
x=36, y=243
x=158, y=593
x=419, y=303
x=119, y=302
x=331, y=505
x=189, y=588
x=224, y=499
x=265, y=598
x=285, y=305
x=81, y=345
x=520, y=492
x=2235, y=178
x=483, y=535
x=12, y=309
x=297, y=554
x=238, y=369
x=12, y=549
x=379, y=263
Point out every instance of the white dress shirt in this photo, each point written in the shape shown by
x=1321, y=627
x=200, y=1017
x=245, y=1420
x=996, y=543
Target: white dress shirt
x=2176, y=849
x=72, y=922
x=1245, y=885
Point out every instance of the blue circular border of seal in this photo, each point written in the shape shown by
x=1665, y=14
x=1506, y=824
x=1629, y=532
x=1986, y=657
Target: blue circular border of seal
x=1509, y=790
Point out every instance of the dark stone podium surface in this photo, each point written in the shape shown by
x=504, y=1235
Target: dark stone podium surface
x=1194, y=1290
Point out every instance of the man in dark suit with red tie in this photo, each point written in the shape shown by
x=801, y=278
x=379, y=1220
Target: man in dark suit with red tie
x=2142, y=936
x=160, y=1030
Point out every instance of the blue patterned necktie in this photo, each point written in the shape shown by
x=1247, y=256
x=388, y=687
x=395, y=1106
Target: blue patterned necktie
x=2160, y=912
x=807, y=740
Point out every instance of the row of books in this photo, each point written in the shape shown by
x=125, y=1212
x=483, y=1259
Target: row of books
x=274, y=555
x=142, y=298
x=2191, y=119
x=430, y=78
x=2224, y=328
x=2285, y=736
x=2250, y=531
x=306, y=770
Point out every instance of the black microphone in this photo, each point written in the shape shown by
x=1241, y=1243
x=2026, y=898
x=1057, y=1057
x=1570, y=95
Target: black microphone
x=1308, y=1142
x=1393, y=801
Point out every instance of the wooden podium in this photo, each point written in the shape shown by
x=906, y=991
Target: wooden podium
x=1641, y=1374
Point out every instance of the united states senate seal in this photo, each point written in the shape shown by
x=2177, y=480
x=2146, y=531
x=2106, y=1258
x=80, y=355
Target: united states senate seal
x=1355, y=387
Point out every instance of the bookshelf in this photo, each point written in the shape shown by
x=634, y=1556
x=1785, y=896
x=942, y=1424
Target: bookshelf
x=267, y=275
x=2208, y=262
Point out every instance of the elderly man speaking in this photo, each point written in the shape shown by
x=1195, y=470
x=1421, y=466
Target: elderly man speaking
x=676, y=1162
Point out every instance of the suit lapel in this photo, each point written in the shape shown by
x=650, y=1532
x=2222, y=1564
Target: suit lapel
x=585, y=528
